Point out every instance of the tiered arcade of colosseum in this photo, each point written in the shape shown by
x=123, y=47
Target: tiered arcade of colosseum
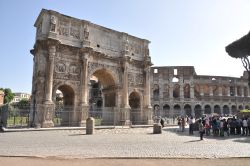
x=178, y=90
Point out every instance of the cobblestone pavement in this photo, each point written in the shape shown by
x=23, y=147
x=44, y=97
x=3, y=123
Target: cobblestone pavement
x=112, y=143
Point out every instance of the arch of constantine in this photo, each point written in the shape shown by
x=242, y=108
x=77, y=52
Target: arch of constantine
x=73, y=56
x=105, y=73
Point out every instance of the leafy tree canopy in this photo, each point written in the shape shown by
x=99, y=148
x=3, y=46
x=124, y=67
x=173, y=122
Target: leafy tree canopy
x=8, y=95
x=24, y=102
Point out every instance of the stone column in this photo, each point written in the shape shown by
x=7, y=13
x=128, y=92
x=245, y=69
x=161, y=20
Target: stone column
x=242, y=91
x=212, y=109
x=147, y=97
x=125, y=111
x=49, y=107
x=49, y=74
x=125, y=84
x=220, y=91
x=171, y=89
x=202, y=90
x=210, y=90
x=192, y=92
x=228, y=91
x=181, y=88
x=235, y=91
x=84, y=90
x=84, y=79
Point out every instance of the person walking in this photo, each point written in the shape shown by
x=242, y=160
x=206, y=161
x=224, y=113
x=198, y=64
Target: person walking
x=201, y=129
x=162, y=122
x=191, y=123
x=183, y=123
x=225, y=127
x=248, y=126
x=244, y=125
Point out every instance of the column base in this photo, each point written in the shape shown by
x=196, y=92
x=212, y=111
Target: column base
x=48, y=114
x=147, y=115
x=150, y=122
x=47, y=124
x=83, y=115
x=125, y=117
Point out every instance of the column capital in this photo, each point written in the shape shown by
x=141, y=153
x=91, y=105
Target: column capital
x=52, y=51
x=85, y=56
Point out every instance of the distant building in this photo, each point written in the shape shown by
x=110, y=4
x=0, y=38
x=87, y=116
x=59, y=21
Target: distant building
x=1, y=97
x=19, y=96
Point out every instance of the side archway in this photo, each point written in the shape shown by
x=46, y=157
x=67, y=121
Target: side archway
x=135, y=105
x=64, y=99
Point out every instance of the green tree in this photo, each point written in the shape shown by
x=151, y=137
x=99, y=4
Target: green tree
x=24, y=102
x=241, y=49
x=8, y=95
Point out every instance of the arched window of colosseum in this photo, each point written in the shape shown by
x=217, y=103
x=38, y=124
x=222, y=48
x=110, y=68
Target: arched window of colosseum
x=175, y=79
x=247, y=107
x=176, y=92
x=207, y=109
x=156, y=92
x=197, y=111
x=166, y=111
x=155, y=71
x=206, y=90
x=166, y=91
x=234, y=110
x=217, y=109
x=188, y=110
x=197, y=91
x=215, y=90
x=225, y=110
x=232, y=91
x=245, y=91
x=187, y=91
x=240, y=107
x=224, y=90
x=239, y=91
x=177, y=110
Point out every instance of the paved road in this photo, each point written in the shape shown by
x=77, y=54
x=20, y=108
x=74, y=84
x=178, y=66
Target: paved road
x=116, y=143
x=21, y=161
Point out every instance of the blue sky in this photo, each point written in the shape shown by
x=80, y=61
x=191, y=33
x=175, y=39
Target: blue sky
x=182, y=33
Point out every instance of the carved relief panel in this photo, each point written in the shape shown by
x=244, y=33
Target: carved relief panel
x=67, y=70
x=135, y=79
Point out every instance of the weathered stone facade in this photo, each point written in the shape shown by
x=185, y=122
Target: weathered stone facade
x=68, y=52
x=178, y=90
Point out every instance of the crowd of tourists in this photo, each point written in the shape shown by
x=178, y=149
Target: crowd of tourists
x=216, y=126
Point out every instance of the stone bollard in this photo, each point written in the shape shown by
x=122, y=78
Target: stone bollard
x=90, y=125
x=157, y=129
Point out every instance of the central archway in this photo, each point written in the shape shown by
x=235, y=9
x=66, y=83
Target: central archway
x=102, y=97
x=135, y=105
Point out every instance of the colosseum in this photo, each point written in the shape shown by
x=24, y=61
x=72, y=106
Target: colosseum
x=178, y=90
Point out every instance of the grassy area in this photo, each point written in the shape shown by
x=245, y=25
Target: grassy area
x=17, y=121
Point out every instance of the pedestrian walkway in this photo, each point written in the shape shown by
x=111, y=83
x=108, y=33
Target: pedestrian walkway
x=121, y=143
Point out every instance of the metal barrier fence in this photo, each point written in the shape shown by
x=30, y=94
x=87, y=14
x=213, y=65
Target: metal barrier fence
x=18, y=116
x=15, y=115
